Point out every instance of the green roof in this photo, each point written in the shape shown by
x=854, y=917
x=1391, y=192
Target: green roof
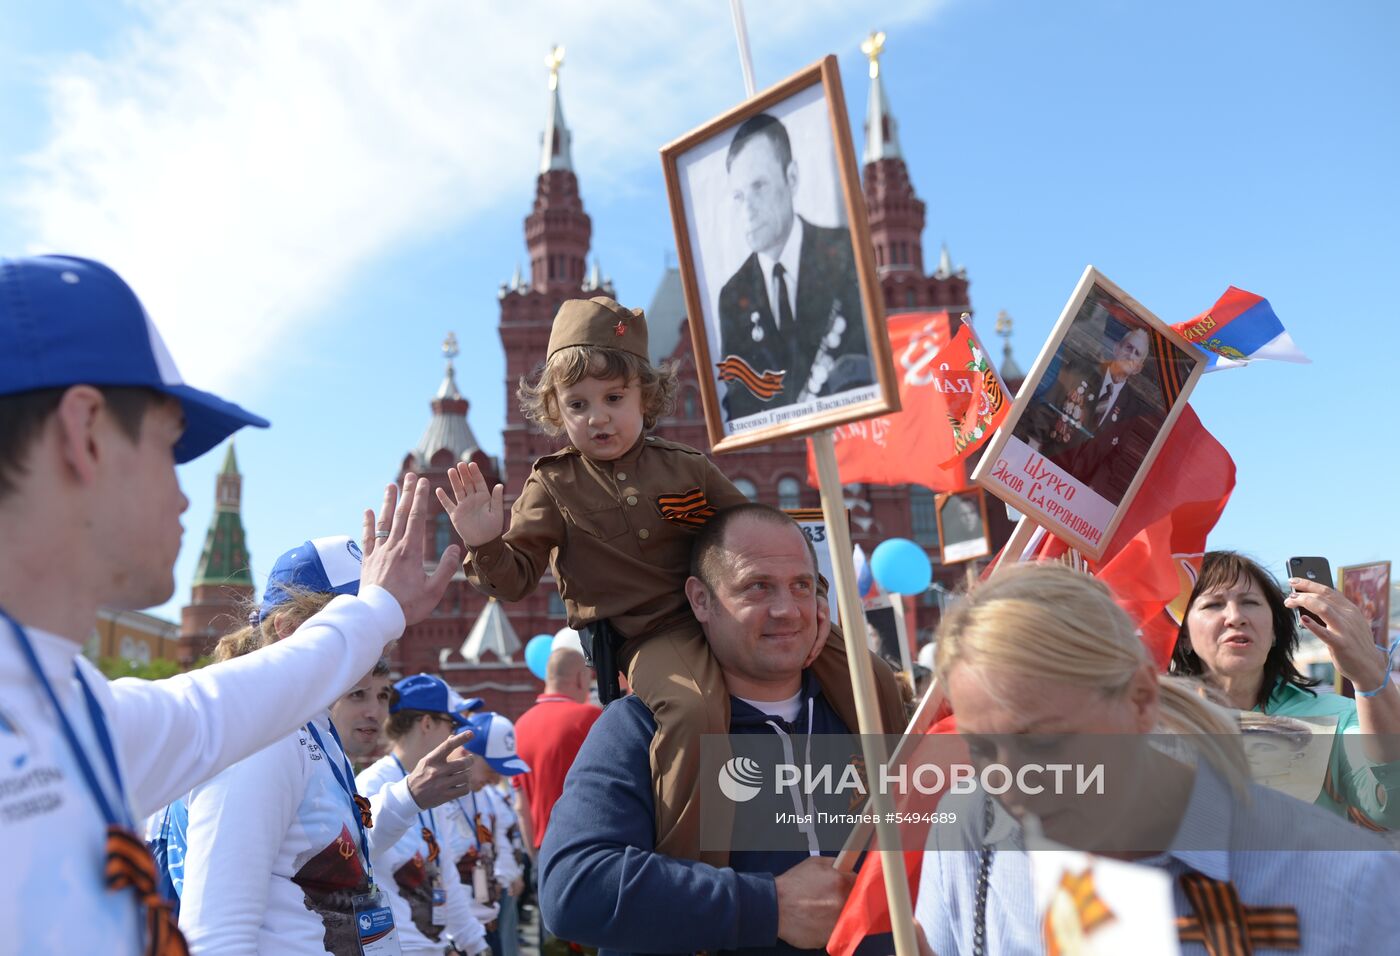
x=224, y=559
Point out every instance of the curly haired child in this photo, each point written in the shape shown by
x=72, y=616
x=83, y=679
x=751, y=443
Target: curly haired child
x=614, y=513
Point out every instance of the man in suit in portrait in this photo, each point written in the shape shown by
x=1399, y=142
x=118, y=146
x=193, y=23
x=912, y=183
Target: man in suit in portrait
x=1098, y=420
x=794, y=305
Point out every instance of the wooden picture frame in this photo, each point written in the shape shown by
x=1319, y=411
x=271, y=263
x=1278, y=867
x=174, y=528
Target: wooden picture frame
x=835, y=367
x=966, y=547
x=886, y=615
x=1076, y=447
x=1368, y=587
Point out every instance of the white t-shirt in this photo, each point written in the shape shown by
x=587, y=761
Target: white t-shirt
x=273, y=857
x=491, y=827
x=169, y=735
x=788, y=710
x=405, y=876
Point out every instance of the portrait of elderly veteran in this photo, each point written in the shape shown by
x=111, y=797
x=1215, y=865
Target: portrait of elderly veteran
x=753, y=588
x=794, y=305
x=1098, y=419
x=1251, y=869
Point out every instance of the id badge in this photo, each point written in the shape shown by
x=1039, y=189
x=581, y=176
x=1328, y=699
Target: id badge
x=480, y=889
x=439, y=917
x=374, y=924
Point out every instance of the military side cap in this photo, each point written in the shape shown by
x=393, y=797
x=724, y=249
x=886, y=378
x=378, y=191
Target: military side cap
x=599, y=322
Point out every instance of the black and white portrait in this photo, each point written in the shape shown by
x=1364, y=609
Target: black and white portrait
x=962, y=526
x=771, y=258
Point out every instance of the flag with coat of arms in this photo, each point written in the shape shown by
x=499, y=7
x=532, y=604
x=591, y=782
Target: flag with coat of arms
x=952, y=398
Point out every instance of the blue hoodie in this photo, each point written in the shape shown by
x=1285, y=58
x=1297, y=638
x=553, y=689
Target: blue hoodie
x=602, y=884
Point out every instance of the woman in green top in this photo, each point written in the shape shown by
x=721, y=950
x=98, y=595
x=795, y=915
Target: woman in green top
x=1238, y=634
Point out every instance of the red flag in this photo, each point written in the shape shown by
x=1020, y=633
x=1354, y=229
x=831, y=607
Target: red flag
x=952, y=401
x=867, y=910
x=1152, y=562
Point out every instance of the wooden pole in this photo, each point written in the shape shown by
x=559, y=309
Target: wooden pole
x=918, y=726
x=1011, y=551
x=863, y=686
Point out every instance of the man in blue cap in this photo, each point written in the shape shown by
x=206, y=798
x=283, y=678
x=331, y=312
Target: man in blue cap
x=480, y=825
x=93, y=419
x=431, y=907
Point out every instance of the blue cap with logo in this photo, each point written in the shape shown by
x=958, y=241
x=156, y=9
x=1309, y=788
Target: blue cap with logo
x=493, y=740
x=69, y=321
x=320, y=566
x=429, y=693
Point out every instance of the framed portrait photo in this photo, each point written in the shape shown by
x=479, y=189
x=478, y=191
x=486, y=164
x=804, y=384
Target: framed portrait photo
x=785, y=311
x=1368, y=587
x=1091, y=415
x=962, y=526
x=885, y=631
x=813, y=524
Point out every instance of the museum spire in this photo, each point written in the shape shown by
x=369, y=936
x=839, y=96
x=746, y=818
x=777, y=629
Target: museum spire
x=881, y=131
x=554, y=152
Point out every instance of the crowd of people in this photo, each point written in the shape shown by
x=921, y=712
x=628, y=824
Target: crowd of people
x=295, y=798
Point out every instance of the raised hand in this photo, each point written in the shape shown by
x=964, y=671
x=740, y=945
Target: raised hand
x=477, y=511
x=393, y=547
x=1344, y=629
x=442, y=775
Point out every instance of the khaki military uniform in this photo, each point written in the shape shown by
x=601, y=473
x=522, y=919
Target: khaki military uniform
x=617, y=535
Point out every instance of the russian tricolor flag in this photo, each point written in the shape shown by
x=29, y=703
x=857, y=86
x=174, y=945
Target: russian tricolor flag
x=1240, y=328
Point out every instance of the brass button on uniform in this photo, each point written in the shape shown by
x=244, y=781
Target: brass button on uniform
x=644, y=534
x=622, y=476
x=631, y=499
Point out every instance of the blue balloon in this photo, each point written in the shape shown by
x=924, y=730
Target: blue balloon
x=537, y=654
x=901, y=566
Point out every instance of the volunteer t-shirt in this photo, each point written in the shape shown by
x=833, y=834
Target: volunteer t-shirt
x=407, y=877
x=169, y=735
x=273, y=859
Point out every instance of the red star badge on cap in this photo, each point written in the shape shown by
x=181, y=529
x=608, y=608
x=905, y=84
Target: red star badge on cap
x=620, y=329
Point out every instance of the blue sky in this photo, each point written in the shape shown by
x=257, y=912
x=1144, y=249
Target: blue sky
x=309, y=195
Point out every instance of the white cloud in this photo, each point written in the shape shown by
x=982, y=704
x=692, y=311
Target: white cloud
x=238, y=160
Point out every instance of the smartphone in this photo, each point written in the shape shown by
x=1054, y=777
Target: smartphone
x=1311, y=569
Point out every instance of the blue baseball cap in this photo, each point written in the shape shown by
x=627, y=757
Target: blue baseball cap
x=69, y=321
x=426, y=692
x=321, y=566
x=470, y=705
x=493, y=740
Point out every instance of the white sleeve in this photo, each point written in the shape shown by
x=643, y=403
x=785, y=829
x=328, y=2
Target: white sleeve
x=507, y=869
x=393, y=811
x=238, y=822
x=174, y=734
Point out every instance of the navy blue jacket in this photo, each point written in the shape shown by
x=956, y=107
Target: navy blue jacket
x=602, y=884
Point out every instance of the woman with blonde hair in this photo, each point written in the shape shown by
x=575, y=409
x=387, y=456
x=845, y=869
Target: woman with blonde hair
x=1042, y=666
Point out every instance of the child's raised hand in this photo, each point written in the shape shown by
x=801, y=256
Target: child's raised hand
x=477, y=512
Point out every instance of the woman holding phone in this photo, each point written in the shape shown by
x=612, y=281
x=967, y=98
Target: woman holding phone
x=1239, y=635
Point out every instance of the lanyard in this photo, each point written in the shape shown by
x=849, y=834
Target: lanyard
x=432, y=823
x=99, y=724
x=471, y=820
x=347, y=784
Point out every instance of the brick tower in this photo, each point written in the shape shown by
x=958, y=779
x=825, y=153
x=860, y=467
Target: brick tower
x=223, y=581
x=897, y=213
x=557, y=234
